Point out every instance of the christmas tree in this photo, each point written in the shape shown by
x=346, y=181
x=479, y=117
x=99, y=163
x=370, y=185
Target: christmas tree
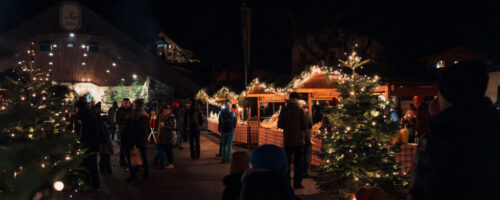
x=39, y=152
x=356, y=146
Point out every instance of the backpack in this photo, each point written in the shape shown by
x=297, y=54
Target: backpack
x=227, y=123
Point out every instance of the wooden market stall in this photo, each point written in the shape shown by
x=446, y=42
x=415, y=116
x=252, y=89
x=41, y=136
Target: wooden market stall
x=265, y=132
x=317, y=84
x=222, y=95
x=404, y=93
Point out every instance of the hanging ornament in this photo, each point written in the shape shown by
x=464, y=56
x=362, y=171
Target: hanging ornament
x=375, y=113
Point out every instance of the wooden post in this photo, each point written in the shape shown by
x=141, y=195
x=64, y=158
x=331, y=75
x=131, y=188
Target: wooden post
x=208, y=114
x=258, y=110
x=387, y=90
x=309, y=99
x=274, y=109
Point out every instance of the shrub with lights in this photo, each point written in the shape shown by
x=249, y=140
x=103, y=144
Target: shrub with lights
x=39, y=152
x=356, y=148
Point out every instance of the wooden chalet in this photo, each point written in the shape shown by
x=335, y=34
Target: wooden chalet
x=77, y=45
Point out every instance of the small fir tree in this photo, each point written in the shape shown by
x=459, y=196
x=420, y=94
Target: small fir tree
x=138, y=91
x=356, y=147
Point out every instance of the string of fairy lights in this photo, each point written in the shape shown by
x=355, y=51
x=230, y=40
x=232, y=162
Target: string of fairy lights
x=329, y=73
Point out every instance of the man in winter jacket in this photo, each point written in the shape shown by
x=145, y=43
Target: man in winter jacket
x=122, y=116
x=227, y=123
x=90, y=139
x=459, y=157
x=422, y=116
x=136, y=134
x=193, y=120
x=111, y=118
x=292, y=120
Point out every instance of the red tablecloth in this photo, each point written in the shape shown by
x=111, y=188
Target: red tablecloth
x=270, y=136
x=316, y=146
x=213, y=126
x=240, y=133
x=406, y=156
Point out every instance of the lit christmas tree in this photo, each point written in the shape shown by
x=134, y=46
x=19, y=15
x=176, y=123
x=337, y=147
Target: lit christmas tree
x=39, y=153
x=356, y=146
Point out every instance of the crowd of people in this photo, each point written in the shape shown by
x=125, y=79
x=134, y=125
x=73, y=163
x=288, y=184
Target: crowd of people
x=133, y=126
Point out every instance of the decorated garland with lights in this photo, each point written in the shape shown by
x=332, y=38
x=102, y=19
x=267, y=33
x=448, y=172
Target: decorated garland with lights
x=266, y=87
x=356, y=146
x=203, y=96
x=40, y=154
x=224, y=93
x=299, y=80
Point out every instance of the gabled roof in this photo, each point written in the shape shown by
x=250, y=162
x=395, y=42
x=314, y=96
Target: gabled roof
x=114, y=46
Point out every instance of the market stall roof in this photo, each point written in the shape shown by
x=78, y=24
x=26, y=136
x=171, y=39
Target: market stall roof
x=409, y=89
x=113, y=50
x=316, y=77
x=265, y=92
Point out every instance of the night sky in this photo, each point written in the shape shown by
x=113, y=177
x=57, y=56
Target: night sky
x=211, y=28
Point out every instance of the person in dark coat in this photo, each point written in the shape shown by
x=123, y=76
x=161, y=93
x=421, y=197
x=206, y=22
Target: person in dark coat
x=227, y=124
x=111, y=119
x=232, y=182
x=292, y=120
x=136, y=134
x=90, y=139
x=179, y=115
x=307, y=139
x=423, y=116
x=105, y=145
x=167, y=136
x=81, y=110
x=459, y=157
x=122, y=116
x=267, y=179
x=193, y=121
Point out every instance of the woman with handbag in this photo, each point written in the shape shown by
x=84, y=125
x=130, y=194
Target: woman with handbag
x=137, y=131
x=167, y=136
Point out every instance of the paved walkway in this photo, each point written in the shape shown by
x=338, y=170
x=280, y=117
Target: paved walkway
x=190, y=179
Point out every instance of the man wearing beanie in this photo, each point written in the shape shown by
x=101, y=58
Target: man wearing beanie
x=459, y=158
x=292, y=120
x=267, y=179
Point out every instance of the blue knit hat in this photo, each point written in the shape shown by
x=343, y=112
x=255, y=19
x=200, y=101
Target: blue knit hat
x=270, y=157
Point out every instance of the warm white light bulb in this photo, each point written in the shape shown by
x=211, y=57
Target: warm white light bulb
x=58, y=186
x=71, y=35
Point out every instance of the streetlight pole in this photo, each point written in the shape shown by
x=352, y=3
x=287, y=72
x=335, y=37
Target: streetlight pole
x=246, y=24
